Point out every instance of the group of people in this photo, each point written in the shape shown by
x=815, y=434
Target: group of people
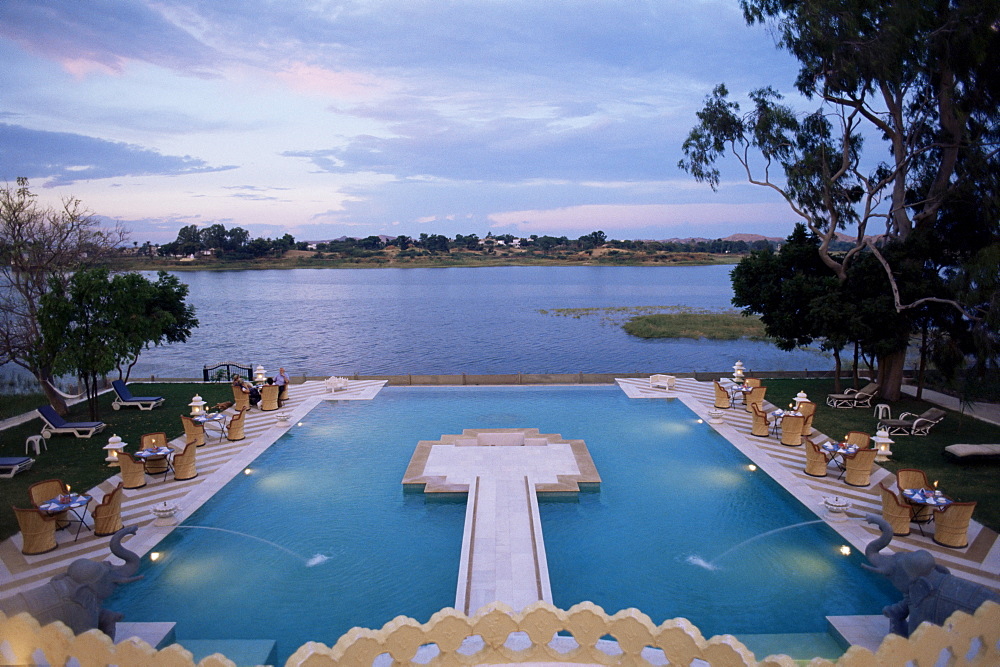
x=281, y=379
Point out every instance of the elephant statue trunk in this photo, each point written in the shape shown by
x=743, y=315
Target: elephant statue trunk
x=75, y=596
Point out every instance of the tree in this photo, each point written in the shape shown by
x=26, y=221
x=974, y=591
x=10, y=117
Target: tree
x=918, y=80
x=39, y=245
x=95, y=323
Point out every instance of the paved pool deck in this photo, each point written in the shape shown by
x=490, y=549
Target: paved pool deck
x=219, y=461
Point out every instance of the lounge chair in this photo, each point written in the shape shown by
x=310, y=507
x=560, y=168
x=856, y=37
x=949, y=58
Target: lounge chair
x=11, y=465
x=963, y=453
x=854, y=398
x=911, y=424
x=124, y=398
x=951, y=525
x=53, y=423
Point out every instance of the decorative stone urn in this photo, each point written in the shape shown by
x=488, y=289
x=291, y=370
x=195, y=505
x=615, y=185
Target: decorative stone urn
x=282, y=418
x=836, y=508
x=165, y=514
x=715, y=416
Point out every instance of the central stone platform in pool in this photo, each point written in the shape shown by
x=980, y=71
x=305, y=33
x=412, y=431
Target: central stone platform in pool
x=502, y=470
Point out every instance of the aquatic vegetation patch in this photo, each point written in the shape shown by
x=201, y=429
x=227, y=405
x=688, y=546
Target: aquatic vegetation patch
x=672, y=321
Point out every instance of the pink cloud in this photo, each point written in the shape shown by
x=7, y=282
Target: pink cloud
x=624, y=216
x=319, y=81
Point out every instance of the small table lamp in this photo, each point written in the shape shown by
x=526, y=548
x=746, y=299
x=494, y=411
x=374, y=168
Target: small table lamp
x=114, y=446
x=197, y=406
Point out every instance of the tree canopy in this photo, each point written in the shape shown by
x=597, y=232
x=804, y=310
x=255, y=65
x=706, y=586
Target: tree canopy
x=901, y=148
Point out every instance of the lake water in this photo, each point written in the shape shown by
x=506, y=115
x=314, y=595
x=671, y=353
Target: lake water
x=455, y=320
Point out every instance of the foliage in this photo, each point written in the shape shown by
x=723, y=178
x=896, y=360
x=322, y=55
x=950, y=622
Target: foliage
x=97, y=323
x=41, y=246
x=713, y=326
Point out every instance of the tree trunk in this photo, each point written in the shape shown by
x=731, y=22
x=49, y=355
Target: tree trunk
x=890, y=374
x=836, y=376
x=55, y=399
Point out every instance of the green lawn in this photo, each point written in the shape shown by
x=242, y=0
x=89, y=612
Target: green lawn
x=80, y=462
x=960, y=481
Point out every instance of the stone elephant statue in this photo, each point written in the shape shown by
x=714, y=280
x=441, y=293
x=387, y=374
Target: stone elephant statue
x=930, y=592
x=75, y=596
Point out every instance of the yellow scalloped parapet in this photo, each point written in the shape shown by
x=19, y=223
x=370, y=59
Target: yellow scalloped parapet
x=972, y=641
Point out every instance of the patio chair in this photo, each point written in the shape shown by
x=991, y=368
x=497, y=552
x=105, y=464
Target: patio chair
x=662, y=381
x=241, y=401
x=124, y=398
x=38, y=531
x=854, y=398
x=911, y=424
x=859, y=438
x=234, y=431
x=808, y=410
x=53, y=423
x=751, y=382
x=46, y=490
x=152, y=441
x=858, y=467
x=194, y=433
x=895, y=511
x=791, y=430
x=755, y=397
x=761, y=424
x=184, y=463
x=108, y=513
x=722, y=399
x=816, y=461
x=133, y=471
x=951, y=525
x=912, y=478
x=269, y=397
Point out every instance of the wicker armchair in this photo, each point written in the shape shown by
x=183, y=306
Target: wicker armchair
x=234, y=431
x=38, y=531
x=858, y=467
x=152, y=441
x=951, y=525
x=816, y=461
x=895, y=511
x=133, y=471
x=194, y=433
x=241, y=400
x=859, y=438
x=108, y=513
x=791, y=430
x=751, y=382
x=269, y=397
x=808, y=410
x=46, y=490
x=722, y=399
x=755, y=397
x=184, y=463
x=912, y=478
x=283, y=394
x=761, y=424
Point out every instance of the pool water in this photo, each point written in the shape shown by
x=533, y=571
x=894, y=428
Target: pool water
x=673, y=491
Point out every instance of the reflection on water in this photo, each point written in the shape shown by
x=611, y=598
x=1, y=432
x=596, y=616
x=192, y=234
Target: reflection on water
x=456, y=320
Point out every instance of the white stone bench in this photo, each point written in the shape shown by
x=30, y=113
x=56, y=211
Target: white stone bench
x=663, y=381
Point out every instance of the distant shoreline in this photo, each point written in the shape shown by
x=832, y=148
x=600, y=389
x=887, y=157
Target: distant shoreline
x=436, y=261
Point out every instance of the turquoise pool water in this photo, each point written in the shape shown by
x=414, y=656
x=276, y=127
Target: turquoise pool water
x=672, y=489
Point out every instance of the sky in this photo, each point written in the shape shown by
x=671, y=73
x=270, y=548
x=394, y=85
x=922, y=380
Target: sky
x=329, y=118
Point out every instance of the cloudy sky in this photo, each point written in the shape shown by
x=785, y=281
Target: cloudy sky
x=324, y=118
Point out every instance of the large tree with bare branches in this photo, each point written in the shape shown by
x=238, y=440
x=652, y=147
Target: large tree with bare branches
x=903, y=139
x=38, y=244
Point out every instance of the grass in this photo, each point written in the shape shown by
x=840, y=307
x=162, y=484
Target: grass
x=727, y=325
x=80, y=462
x=960, y=481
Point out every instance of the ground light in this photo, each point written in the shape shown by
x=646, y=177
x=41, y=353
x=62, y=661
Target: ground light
x=845, y=550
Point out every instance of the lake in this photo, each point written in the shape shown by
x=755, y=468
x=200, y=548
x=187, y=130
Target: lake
x=486, y=320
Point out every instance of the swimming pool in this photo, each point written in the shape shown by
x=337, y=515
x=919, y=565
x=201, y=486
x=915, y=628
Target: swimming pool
x=672, y=489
